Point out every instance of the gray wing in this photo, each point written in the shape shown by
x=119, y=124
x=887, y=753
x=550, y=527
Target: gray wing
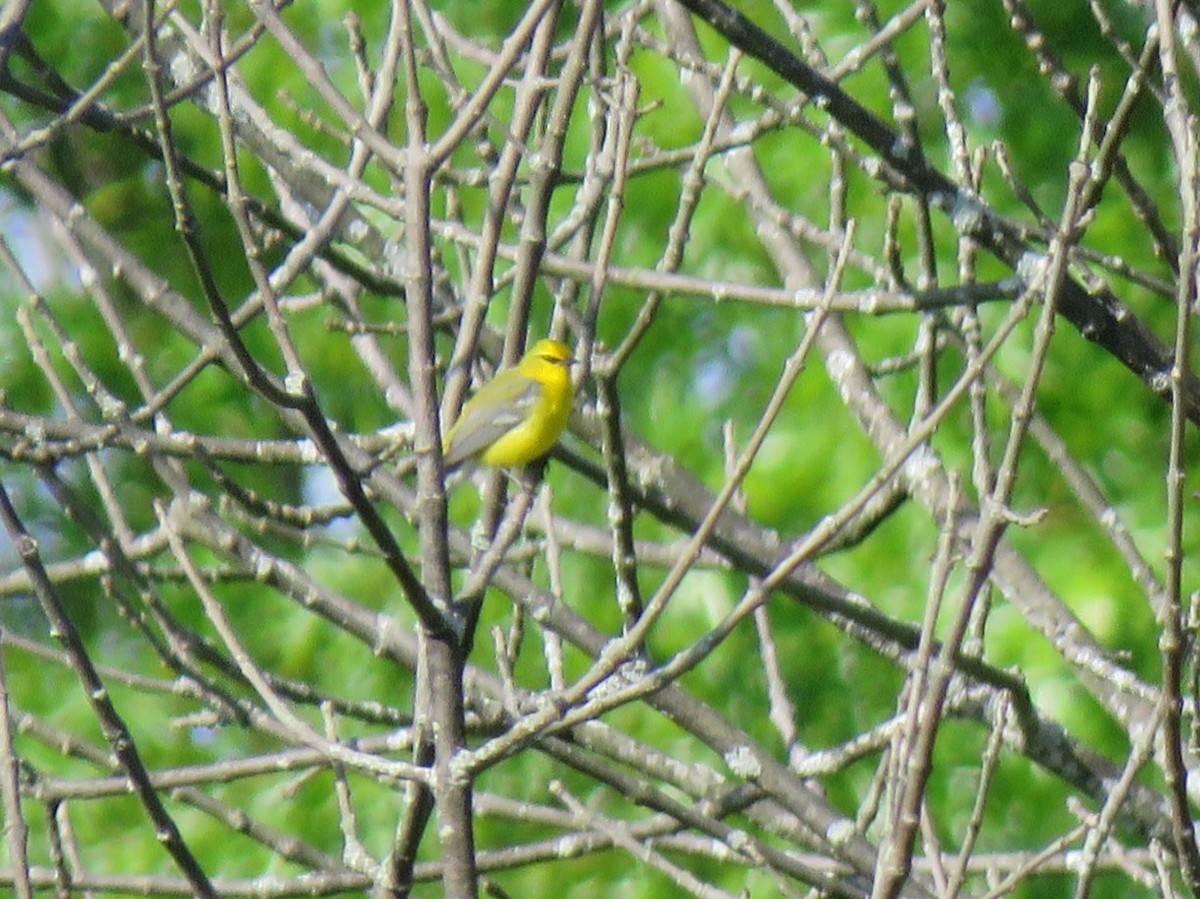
x=489, y=416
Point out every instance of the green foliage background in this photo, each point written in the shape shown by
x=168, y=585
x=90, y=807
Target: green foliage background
x=700, y=366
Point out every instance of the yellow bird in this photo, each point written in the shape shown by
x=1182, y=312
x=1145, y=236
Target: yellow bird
x=516, y=417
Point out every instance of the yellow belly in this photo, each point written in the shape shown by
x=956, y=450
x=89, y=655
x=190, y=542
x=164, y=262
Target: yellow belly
x=531, y=439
